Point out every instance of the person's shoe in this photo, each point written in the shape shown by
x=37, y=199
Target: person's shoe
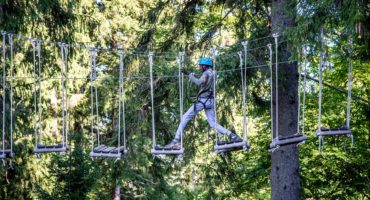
x=235, y=138
x=174, y=144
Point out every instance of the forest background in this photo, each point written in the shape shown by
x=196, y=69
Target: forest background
x=167, y=27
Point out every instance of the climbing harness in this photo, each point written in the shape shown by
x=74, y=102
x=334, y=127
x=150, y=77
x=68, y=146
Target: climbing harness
x=101, y=150
x=279, y=141
x=159, y=150
x=344, y=130
x=39, y=146
x=5, y=151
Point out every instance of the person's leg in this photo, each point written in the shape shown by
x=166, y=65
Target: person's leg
x=211, y=121
x=185, y=120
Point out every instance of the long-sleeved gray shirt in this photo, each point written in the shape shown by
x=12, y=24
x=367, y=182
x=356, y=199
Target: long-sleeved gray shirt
x=205, y=82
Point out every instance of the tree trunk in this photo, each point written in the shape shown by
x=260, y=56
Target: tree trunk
x=117, y=192
x=284, y=176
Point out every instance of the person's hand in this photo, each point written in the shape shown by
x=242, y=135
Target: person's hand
x=184, y=71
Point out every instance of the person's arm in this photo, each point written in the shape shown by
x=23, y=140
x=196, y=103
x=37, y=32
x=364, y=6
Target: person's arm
x=199, y=81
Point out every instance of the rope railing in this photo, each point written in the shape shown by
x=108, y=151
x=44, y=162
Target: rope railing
x=84, y=45
x=144, y=77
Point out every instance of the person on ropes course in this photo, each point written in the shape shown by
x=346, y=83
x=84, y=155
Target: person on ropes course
x=204, y=102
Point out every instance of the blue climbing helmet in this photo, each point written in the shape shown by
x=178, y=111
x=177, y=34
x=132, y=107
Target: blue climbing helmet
x=205, y=61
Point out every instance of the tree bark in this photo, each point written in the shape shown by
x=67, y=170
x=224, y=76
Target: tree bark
x=284, y=176
x=117, y=192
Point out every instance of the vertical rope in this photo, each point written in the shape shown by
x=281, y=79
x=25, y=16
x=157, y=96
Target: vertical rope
x=320, y=87
x=275, y=35
x=33, y=42
x=119, y=100
x=66, y=95
x=242, y=77
x=40, y=89
x=150, y=59
x=63, y=92
x=350, y=82
x=120, y=97
x=180, y=61
x=244, y=89
x=182, y=93
x=123, y=104
x=299, y=93
x=91, y=62
x=64, y=57
x=11, y=91
x=213, y=53
x=304, y=89
x=271, y=88
x=4, y=89
x=320, y=76
x=96, y=98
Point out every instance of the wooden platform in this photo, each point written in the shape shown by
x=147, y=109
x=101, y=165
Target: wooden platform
x=159, y=150
x=41, y=148
x=223, y=146
x=6, y=153
x=286, y=140
x=334, y=131
x=108, y=152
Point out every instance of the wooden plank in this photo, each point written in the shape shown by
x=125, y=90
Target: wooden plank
x=99, y=148
x=108, y=149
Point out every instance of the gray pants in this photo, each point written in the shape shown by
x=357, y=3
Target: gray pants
x=207, y=106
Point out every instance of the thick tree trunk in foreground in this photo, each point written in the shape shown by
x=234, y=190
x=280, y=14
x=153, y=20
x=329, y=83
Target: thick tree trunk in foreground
x=284, y=176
